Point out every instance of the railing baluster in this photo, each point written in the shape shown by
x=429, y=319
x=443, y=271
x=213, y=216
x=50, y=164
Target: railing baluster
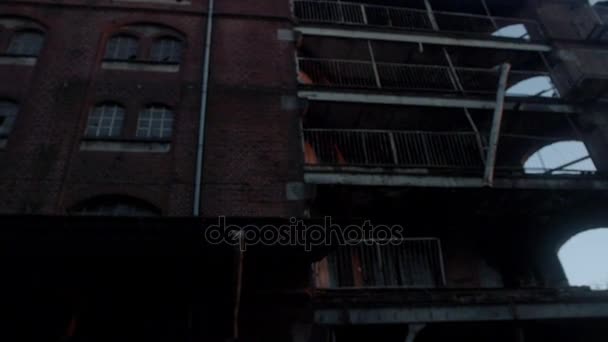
x=363, y=14
x=393, y=148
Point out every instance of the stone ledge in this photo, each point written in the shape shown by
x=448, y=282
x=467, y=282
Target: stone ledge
x=125, y=146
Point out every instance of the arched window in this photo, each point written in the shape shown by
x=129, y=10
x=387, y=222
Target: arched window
x=8, y=113
x=26, y=43
x=540, y=86
x=155, y=122
x=563, y=157
x=122, y=47
x=583, y=259
x=166, y=49
x=516, y=31
x=105, y=120
x=115, y=206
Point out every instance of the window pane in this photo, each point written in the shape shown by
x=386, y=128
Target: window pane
x=8, y=113
x=166, y=50
x=105, y=121
x=155, y=122
x=121, y=48
x=26, y=43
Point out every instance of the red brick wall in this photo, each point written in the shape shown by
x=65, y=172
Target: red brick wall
x=250, y=135
x=250, y=139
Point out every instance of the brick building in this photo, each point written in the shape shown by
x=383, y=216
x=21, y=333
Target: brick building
x=128, y=126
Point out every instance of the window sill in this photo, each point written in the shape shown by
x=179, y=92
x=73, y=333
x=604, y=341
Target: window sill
x=140, y=66
x=128, y=146
x=18, y=60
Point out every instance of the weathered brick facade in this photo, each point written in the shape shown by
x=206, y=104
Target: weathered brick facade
x=248, y=135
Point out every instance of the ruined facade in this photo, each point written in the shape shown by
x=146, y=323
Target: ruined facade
x=133, y=124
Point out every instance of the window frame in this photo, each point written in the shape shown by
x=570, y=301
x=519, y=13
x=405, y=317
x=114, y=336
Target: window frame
x=166, y=123
x=175, y=52
x=8, y=122
x=134, y=56
x=14, y=43
x=99, y=123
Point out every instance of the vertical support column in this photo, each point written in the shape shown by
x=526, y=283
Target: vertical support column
x=496, y=124
x=374, y=66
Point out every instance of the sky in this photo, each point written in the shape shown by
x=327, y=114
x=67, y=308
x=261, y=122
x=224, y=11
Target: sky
x=585, y=259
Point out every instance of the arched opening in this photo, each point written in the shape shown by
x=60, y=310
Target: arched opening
x=560, y=158
x=583, y=259
x=516, y=31
x=540, y=86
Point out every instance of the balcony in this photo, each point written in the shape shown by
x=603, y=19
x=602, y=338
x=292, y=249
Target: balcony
x=338, y=73
x=376, y=17
x=439, y=159
x=404, y=263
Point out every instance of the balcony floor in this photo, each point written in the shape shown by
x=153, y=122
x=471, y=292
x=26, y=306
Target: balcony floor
x=384, y=306
x=421, y=178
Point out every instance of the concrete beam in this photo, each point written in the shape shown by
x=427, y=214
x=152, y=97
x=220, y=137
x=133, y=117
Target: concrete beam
x=140, y=66
x=413, y=180
x=432, y=101
x=464, y=313
x=415, y=37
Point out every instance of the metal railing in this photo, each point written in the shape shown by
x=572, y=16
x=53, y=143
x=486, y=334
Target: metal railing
x=439, y=152
x=414, y=19
x=377, y=148
x=394, y=76
x=408, y=263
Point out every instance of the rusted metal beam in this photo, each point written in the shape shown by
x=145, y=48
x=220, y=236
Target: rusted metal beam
x=496, y=124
